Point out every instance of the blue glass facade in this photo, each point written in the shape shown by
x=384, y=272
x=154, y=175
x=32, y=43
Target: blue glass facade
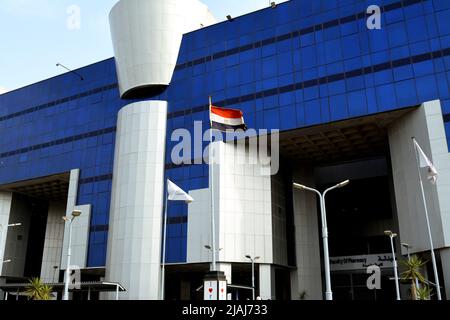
x=303, y=63
x=60, y=124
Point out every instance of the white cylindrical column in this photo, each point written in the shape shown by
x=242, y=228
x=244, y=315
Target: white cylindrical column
x=146, y=36
x=134, y=242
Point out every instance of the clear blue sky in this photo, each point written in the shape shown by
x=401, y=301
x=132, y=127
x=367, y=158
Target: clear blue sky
x=34, y=35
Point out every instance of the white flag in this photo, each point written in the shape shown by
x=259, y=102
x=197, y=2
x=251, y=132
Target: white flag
x=175, y=193
x=424, y=162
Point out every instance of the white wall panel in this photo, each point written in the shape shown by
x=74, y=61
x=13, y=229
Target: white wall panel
x=80, y=238
x=420, y=123
x=266, y=282
x=80, y=227
x=239, y=185
x=243, y=212
x=54, y=235
x=199, y=226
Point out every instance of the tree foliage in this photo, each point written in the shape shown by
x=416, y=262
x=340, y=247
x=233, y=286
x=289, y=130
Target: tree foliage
x=413, y=274
x=36, y=290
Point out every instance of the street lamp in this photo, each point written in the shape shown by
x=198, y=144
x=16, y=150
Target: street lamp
x=211, y=249
x=6, y=261
x=11, y=225
x=208, y=247
x=14, y=225
x=253, y=272
x=326, y=256
x=407, y=246
x=75, y=214
x=392, y=235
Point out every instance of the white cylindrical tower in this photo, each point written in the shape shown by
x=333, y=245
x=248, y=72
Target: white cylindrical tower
x=146, y=36
x=134, y=240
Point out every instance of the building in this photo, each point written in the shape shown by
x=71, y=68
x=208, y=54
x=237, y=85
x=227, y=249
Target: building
x=346, y=98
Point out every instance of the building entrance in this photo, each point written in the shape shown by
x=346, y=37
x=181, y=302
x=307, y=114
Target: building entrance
x=357, y=214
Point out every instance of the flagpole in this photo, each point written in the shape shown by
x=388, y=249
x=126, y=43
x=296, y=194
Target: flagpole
x=163, y=264
x=211, y=172
x=433, y=258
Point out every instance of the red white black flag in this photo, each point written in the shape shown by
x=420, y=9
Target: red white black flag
x=226, y=119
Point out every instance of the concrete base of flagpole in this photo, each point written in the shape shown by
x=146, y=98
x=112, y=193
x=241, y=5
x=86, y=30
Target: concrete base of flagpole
x=215, y=286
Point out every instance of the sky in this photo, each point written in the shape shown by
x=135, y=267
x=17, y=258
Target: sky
x=37, y=34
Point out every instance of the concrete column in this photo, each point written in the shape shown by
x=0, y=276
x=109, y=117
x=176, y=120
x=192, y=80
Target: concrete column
x=307, y=278
x=5, y=210
x=134, y=240
x=80, y=228
x=54, y=235
x=17, y=237
x=445, y=261
x=227, y=269
x=266, y=282
x=426, y=125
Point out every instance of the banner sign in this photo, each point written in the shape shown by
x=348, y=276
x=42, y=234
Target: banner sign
x=383, y=260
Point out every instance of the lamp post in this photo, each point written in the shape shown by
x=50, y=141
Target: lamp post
x=326, y=256
x=75, y=213
x=253, y=272
x=392, y=235
x=214, y=282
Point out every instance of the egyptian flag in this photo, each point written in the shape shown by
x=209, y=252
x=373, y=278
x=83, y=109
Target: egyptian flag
x=226, y=119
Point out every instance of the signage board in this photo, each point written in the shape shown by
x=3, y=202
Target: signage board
x=362, y=262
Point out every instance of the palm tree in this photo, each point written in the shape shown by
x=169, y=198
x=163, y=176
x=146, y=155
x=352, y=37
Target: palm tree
x=33, y=289
x=424, y=293
x=46, y=292
x=413, y=274
x=36, y=290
